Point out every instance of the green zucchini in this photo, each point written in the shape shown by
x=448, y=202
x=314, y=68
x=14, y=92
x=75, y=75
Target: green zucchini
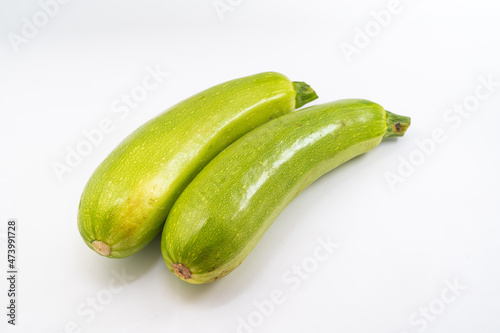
x=126, y=201
x=222, y=214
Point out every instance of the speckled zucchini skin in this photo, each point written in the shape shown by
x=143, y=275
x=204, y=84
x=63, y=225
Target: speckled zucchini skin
x=126, y=201
x=226, y=209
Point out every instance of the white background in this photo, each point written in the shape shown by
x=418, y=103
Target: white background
x=397, y=245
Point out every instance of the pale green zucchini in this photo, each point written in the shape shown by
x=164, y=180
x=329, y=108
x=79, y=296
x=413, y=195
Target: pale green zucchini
x=126, y=201
x=226, y=209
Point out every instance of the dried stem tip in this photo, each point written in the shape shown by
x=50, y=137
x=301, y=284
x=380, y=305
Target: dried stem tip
x=396, y=125
x=101, y=248
x=182, y=271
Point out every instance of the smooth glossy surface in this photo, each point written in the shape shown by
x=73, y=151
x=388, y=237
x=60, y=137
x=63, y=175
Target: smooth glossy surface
x=127, y=199
x=227, y=208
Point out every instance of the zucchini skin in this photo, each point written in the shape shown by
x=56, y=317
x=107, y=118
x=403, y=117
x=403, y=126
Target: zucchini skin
x=227, y=208
x=126, y=201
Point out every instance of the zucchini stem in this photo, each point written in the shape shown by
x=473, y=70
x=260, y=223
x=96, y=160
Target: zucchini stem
x=396, y=124
x=304, y=94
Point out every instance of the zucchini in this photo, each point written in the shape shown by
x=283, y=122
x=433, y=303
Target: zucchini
x=227, y=208
x=126, y=201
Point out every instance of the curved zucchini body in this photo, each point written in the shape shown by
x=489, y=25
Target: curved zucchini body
x=126, y=201
x=226, y=209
